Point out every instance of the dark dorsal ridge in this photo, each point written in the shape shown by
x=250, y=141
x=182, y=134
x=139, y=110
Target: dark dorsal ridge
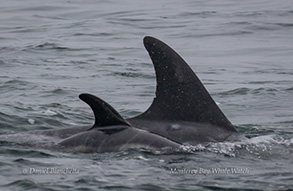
x=105, y=115
x=180, y=95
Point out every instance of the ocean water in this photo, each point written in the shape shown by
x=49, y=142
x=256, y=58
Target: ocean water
x=51, y=51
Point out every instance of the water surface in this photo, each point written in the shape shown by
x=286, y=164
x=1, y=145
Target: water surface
x=52, y=51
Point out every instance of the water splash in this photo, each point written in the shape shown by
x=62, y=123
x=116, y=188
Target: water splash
x=260, y=147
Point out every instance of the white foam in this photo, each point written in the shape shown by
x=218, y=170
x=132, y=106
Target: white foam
x=142, y=158
x=258, y=146
x=31, y=121
x=49, y=112
x=262, y=139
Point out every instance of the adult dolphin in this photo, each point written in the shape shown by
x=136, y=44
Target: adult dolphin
x=112, y=133
x=182, y=110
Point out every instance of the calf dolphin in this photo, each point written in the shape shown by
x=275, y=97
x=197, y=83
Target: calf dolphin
x=112, y=133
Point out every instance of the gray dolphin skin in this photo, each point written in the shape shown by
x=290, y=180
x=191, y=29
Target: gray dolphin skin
x=112, y=133
x=183, y=112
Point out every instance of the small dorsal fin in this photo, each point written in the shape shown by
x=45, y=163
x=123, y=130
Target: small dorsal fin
x=105, y=114
x=180, y=95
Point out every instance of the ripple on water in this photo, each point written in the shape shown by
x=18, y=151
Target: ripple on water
x=23, y=152
x=16, y=84
x=237, y=91
x=51, y=46
x=246, y=91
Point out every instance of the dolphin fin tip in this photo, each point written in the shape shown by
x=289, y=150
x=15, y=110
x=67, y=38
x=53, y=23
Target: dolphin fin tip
x=105, y=114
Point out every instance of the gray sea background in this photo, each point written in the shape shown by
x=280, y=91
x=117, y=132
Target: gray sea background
x=51, y=51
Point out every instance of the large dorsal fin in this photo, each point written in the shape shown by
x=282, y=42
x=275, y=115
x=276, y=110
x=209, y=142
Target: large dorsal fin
x=105, y=114
x=180, y=95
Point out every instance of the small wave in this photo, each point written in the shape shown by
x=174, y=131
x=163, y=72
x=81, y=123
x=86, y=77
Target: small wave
x=49, y=112
x=261, y=82
x=238, y=91
x=214, y=34
x=58, y=91
x=2, y=62
x=245, y=91
x=202, y=14
x=284, y=24
x=92, y=34
x=12, y=122
x=262, y=139
x=27, y=144
x=133, y=75
x=24, y=184
x=127, y=74
x=18, y=84
x=261, y=90
x=50, y=46
x=28, y=153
